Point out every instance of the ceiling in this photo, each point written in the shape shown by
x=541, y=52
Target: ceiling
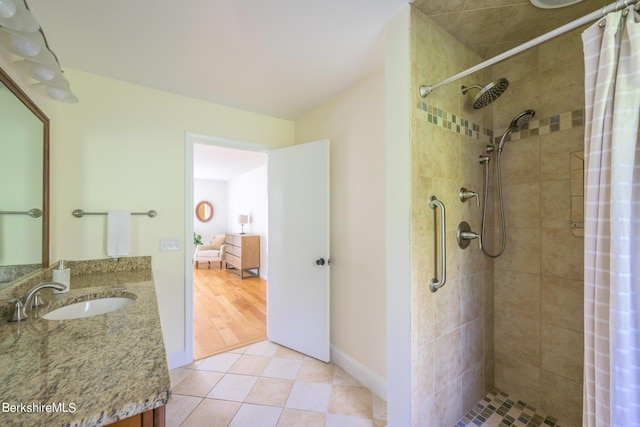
x=490, y=27
x=222, y=164
x=277, y=57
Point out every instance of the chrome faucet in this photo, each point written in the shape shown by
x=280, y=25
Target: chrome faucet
x=33, y=296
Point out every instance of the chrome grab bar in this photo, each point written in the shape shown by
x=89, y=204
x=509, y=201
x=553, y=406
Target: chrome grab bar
x=436, y=284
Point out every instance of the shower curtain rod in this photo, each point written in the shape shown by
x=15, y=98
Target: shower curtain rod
x=613, y=7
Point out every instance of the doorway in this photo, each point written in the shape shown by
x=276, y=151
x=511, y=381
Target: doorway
x=224, y=311
x=298, y=185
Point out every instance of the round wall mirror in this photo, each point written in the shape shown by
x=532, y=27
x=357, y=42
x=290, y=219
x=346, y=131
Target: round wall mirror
x=204, y=211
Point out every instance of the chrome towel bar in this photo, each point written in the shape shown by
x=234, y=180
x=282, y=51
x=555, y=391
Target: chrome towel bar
x=436, y=284
x=33, y=213
x=79, y=213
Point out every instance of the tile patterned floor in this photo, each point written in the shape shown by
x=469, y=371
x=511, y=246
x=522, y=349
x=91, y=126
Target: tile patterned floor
x=267, y=385
x=497, y=410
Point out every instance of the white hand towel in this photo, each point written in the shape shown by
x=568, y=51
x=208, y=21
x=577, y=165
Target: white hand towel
x=118, y=233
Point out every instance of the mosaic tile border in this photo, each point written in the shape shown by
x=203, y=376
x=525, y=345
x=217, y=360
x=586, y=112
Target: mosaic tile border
x=453, y=122
x=554, y=123
x=497, y=410
x=460, y=125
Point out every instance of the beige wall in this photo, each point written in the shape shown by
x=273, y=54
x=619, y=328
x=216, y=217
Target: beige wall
x=451, y=359
x=354, y=124
x=539, y=279
x=122, y=147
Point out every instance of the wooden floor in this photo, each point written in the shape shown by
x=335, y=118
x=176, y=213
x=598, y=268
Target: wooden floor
x=228, y=312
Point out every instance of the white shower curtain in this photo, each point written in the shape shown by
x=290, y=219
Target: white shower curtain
x=612, y=222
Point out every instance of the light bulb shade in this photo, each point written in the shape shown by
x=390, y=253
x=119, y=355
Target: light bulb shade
x=30, y=46
x=14, y=15
x=7, y=9
x=46, y=73
x=243, y=219
x=57, y=93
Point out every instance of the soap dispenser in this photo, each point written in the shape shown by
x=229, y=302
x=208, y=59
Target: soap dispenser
x=62, y=275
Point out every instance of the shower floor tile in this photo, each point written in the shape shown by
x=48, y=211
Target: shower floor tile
x=497, y=410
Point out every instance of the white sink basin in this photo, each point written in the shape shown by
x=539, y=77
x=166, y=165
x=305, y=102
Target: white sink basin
x=88, y=308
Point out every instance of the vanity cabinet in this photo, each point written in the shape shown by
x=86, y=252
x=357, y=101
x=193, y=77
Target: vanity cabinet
x=151, y=418
x=242, y=254
x=105, y=376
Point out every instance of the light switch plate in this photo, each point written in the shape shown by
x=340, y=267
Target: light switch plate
x=169, y=244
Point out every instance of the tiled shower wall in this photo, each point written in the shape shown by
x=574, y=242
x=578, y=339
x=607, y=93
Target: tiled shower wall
x=532, y=295
x=452, y=338
x=538, y=282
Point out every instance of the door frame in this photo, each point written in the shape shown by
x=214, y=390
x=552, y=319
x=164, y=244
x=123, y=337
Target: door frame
x=190, y=139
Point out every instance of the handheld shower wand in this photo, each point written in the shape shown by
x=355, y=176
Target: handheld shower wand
x=519, y=121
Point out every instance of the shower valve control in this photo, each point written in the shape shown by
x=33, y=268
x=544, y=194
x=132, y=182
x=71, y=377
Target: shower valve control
x=465, y=195
x=464, y=235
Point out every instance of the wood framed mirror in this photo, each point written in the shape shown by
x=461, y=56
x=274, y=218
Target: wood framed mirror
x=24, y=188
x=204, y=211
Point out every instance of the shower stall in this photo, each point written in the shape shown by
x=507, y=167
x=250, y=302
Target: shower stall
x=510, y=320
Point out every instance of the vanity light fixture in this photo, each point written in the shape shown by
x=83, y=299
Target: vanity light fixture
x=40, y=72
x=51, y=81
x=30, y=46
x=58, y=93
x=15, y=15
x=22, y=35
x=7, y=9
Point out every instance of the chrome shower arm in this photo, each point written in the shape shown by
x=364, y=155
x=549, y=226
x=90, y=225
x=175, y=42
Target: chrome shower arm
x=465, y=89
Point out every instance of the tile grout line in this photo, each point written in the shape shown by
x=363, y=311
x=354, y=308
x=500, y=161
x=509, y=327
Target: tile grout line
x=336, y=379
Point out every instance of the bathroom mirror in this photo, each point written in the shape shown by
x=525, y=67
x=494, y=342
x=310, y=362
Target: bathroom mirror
x=24, y=184
x=204, y=211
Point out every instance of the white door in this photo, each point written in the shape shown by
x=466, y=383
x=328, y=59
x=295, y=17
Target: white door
x=298, y=288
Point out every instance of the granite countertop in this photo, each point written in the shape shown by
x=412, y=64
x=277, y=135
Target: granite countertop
x=91, y=371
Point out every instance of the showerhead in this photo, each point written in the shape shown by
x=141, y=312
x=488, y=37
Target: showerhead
x=522, y=118
x=518, y=121
x=487, y=94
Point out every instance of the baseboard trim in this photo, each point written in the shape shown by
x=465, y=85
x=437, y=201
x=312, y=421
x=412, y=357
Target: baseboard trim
x=351, y=366
x=360, y=372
